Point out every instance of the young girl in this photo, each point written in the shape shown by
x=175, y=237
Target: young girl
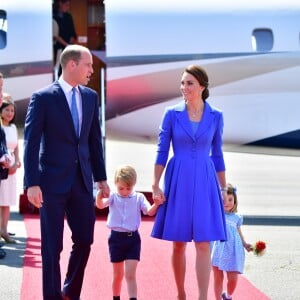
x=229, y=256
x=4, y=158
x=124, y=218
x=8, y=188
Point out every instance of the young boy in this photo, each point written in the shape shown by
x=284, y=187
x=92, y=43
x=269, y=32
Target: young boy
x=124, y=218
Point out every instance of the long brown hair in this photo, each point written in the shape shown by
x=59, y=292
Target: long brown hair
x=200, y=74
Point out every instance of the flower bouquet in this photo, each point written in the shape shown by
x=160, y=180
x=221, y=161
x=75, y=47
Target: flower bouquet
x=259, y=248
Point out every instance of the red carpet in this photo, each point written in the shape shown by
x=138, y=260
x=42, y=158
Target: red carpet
x=155, y=278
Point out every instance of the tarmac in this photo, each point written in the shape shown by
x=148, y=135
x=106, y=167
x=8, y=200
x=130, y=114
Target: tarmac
x=268, y=192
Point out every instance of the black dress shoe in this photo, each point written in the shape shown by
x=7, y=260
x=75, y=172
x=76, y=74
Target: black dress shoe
x=64, y=297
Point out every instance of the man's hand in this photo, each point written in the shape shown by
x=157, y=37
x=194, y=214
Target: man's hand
x=105, y=190
x=35, y=196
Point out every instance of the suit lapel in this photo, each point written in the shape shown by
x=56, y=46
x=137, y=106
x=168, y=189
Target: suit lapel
x=183, y=119
x=62, y=104
x=84, y=105
x=61, y=101
x=206, y=121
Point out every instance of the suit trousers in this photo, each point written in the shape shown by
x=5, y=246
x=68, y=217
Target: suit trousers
x=77, y=206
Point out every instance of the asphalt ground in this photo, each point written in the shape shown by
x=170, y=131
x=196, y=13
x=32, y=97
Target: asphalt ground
x=268, y=192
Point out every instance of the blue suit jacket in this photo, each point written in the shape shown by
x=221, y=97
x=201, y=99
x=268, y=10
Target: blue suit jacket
x=52, y=151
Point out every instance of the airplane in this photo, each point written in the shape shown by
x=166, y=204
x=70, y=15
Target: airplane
x=25, y=49
x=251, y=52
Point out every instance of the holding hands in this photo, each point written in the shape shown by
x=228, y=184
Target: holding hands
x=99, y=200
x=103, y=192
x=158, y=195
x=103, y=189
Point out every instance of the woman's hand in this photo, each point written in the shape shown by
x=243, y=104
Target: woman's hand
x=158, y=196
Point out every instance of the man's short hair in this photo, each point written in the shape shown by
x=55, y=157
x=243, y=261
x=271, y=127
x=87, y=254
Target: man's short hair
x=72, y=52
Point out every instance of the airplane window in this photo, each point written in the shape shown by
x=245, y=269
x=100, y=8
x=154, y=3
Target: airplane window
x=3, y=29
x=262, y=40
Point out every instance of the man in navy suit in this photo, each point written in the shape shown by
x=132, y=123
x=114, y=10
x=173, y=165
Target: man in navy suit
x=60, y=164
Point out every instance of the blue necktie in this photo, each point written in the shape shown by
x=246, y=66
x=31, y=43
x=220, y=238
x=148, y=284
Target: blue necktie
x=74, y=111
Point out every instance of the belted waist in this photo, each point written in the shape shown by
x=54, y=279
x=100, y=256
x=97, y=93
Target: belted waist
x=124, y=233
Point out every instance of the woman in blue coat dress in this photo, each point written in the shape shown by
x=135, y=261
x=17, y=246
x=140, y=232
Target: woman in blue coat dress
x=193, y=180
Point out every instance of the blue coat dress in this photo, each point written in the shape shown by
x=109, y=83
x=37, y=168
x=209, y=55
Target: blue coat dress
x=193, y=209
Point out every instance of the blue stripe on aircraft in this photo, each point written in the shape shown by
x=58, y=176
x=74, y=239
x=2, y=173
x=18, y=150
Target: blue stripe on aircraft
x=290, y=140
x=121, y=61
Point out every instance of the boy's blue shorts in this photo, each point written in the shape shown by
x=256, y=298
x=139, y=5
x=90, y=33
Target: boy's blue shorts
x=124, y=245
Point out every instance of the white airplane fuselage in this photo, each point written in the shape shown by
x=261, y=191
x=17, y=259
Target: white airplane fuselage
x=251, y=52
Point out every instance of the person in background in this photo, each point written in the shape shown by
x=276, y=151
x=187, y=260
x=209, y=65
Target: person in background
x=4, y=157
x=124, y=218
x=56, y=53
x=8, y=187
x=65, y=34
x=229, y=256
x=194, y=179
x=63, y=154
